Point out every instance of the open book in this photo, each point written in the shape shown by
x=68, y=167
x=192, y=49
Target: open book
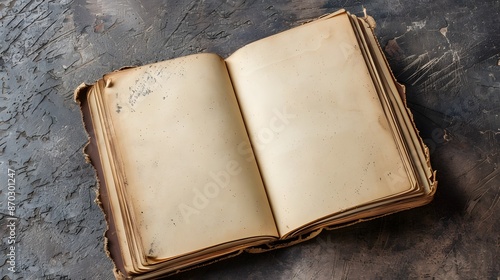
x=200, y=157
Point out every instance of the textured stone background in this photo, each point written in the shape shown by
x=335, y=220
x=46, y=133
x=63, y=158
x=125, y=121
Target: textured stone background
x=446, y=52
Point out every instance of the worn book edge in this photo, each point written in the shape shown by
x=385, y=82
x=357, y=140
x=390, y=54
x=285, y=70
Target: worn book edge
x=89, y=151
x=402, y=94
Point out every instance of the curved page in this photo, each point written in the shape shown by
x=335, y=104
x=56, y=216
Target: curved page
x=319, y=132
x=177, y=127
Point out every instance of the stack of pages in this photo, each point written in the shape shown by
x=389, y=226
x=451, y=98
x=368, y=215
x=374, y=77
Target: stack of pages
x=201, y=158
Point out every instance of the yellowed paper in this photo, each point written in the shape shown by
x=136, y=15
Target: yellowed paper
x=320, y=135
x=178, y=128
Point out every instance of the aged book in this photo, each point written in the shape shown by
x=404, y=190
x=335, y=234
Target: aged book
x=200, y=158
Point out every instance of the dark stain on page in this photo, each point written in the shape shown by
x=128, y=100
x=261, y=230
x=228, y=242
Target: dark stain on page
x=141, y=87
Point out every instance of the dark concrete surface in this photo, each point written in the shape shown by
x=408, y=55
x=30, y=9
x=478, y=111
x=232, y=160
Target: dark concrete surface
x=445, y=52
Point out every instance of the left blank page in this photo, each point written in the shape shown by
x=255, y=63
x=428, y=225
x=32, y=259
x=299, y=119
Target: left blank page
x=177, y=127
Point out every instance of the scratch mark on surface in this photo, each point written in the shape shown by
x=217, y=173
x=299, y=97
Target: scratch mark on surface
x=180, y=23
x=431, y=74
x=480, y=191
x=85, y=63
x=51, y=41
x=490, y=211
x=345, y=271
x=489, y=131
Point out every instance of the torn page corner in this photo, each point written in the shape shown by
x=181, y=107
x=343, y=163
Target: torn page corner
x=81, y=89
x=369, y=19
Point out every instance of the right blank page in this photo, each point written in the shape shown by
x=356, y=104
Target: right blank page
x=319, y=132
